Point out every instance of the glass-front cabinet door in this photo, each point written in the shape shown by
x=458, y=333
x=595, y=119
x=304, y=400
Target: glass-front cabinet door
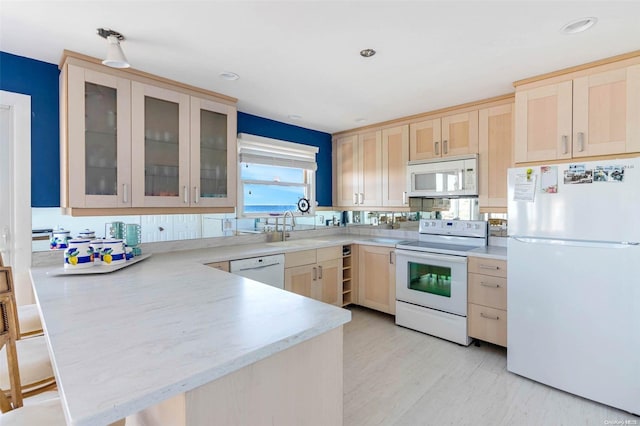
x=160, y=147
x=99, y=133
x=213, y=154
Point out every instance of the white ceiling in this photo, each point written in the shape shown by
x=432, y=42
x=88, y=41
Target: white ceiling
x=301, y=57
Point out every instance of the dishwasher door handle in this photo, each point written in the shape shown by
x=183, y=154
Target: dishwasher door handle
x=253, y=268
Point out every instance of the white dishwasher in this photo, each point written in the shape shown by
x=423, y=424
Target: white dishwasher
x=265, y=269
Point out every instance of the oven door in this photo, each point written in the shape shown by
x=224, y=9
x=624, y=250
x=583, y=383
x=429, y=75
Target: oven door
x=432, y=280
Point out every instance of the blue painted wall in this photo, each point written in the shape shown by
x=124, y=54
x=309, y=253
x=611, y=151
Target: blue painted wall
x=40, y=81
x=259, y=126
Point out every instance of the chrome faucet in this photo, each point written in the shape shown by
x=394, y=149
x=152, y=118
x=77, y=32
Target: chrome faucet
x=284, y=223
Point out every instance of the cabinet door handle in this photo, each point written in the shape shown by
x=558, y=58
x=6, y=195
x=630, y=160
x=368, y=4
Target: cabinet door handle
x=445, y=146
x=315, y=273
x=565, y=144
x=320, y=272
x=492, y=267
x=125, y=193
x=196, y=194
x=489, y=285
x=404, y=197
x=186, y=194
x=437, y=147
x=483, y=315
x=360, y=198
x=355, y=198
x=391, y=260
x=581, y=141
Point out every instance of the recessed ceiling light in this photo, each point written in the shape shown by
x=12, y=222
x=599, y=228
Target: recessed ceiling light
x=579, y=25
x=367, y=53
x=228, y=75
x=295, y=116
x=361, y=120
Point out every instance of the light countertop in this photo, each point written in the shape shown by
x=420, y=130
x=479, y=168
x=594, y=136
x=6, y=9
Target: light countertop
x=490, y=252
x=125, y=341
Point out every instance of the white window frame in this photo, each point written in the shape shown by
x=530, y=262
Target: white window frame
x=260, y=150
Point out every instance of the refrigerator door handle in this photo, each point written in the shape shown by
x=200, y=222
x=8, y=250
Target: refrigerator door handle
x=578, y=243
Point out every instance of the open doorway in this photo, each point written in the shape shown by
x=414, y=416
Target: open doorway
x=15, y=189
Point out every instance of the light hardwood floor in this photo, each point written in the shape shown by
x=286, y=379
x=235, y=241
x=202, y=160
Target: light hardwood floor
x=397, y=376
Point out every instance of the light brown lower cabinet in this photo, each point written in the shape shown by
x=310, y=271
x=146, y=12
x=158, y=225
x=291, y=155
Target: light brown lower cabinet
x=487, y=297
x=377, y=278
x=223, y=266
x=316, y=274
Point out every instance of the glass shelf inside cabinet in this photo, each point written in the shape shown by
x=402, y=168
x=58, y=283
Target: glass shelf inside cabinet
x=213, y=154
x=101, y=140
x=161, y=148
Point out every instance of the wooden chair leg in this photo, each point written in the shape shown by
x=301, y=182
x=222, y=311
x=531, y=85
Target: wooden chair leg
x=14, y=374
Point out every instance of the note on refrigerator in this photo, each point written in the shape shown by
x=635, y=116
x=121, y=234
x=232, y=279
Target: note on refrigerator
x=525, y=187
x=549, y=179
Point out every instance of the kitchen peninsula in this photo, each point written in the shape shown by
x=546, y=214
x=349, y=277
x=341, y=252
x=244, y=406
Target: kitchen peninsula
x=172, y=339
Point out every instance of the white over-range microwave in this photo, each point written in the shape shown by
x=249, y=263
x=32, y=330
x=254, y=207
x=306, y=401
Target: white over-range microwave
x=451, y=177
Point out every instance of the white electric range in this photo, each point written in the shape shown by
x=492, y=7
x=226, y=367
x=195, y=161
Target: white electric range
x=431, y=277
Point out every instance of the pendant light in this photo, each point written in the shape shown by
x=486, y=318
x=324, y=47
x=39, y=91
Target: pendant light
x=115, y=56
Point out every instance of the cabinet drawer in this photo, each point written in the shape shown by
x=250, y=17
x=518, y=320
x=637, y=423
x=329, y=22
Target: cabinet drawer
x=487, y=324
x=329, y=253
x=299, y=258
x=494, y=267
x=488, y=291
x=223, y=266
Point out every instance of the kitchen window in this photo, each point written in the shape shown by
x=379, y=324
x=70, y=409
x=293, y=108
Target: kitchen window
x=274, y=176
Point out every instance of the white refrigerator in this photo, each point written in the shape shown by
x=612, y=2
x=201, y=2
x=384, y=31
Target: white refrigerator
x=574, y=278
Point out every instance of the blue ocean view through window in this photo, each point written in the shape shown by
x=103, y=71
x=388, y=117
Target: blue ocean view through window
x=272, y=189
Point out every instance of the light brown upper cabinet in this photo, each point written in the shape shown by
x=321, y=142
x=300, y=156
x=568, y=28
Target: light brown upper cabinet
x=131, y=140
x=371, y=168
x=606, y=113
x=395, y=155
x=594, y=113
x=496, y=128
x=95, y=139
x=451, y=135
x=543, y=123
x=160, y=146
x=359, y=169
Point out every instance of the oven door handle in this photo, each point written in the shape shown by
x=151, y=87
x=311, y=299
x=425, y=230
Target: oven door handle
x=401, y=254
